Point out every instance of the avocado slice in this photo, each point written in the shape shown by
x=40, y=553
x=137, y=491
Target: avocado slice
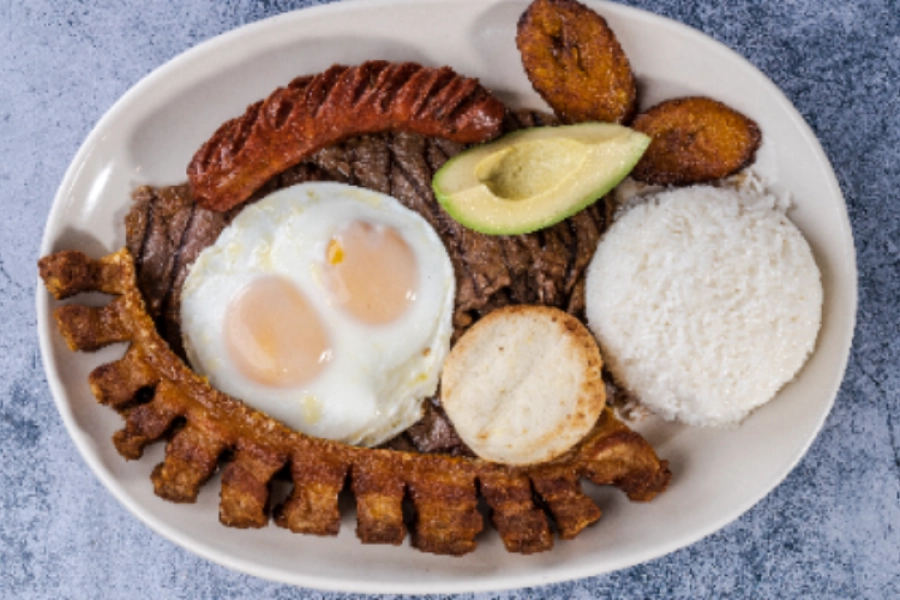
x=534, y=178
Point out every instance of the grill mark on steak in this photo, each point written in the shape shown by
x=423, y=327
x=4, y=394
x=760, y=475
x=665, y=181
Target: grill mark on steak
x=334, y=162
x=136, y=227
x=437, y=152
x=551, y=264
x=411, y=164
x=517, y=257
x=136, y=224
x=586, y=232
x=370, y=165
x=411, y=192
x=169, y=291
x=163, y=236
x=486, y=251
x=176, y=259
x=492, y=272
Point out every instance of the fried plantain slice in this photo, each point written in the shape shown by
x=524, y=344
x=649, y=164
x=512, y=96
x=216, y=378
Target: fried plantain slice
x=575, y=62
x=695, y=139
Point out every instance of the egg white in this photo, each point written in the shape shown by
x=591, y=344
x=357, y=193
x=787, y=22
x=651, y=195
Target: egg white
x=378, y=375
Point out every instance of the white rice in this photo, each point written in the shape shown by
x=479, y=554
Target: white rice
x=705, y=301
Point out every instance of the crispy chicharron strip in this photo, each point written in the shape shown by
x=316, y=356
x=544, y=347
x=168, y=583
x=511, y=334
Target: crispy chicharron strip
x=341, y=102
x=153, y=390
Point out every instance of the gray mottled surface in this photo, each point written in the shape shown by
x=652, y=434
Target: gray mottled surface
x=829, y=531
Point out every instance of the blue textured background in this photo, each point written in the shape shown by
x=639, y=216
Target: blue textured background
x=829, y=531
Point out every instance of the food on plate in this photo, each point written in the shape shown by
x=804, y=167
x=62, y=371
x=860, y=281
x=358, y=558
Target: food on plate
x=705, y=301
x=534, y=178
x=317, y=317
x=575, y=62
x=315, y=111
x=358, y=298
x=695, y=140
x=205, y=262
x=524, y=385
x=329, y=310
x=159, y=396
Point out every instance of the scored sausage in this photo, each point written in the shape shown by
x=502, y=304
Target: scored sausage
x=319, y=110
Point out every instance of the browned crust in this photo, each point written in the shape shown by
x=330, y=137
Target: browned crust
x=316, y=111
x=575, y=62
x=695, y=140
x=159, y=396
x=591, y=397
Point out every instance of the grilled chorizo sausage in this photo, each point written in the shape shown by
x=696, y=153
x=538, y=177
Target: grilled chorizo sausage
x=316, y=111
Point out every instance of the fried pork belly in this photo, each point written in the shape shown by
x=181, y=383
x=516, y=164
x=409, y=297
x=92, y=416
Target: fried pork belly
x=161, y=398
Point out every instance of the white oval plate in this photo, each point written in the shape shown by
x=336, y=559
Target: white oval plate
x=150, y=134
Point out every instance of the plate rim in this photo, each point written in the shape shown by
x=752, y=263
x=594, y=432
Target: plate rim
x=493, y=583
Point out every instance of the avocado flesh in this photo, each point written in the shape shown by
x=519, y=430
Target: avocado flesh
x=535, y=178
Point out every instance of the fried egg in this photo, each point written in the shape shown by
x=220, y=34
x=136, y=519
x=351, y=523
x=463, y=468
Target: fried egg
x=326, y=306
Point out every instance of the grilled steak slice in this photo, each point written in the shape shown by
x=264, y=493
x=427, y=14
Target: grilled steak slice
x=166, y=231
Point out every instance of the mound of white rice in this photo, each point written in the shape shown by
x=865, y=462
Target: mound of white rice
x=705, y=301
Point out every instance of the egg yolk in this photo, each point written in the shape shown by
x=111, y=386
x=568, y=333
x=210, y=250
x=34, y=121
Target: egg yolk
x=274, y=335
x=371, y=272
